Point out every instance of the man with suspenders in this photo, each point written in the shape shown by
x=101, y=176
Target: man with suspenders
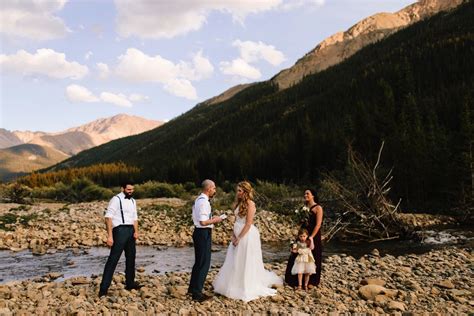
x=203, y=224
x=122, y=231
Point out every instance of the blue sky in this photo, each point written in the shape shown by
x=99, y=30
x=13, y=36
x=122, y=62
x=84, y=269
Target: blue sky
x=64, y=63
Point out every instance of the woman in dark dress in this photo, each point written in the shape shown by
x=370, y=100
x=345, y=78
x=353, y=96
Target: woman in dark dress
x=313, y=225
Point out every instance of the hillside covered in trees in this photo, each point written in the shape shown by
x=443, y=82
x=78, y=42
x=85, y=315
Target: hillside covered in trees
x=413, y=90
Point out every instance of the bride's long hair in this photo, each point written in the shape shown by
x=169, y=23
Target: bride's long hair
x=247, y=195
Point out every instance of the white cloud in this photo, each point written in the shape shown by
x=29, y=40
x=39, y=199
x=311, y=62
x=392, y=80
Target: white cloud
x=176, y=78
x=103, y=70
x=135, y=97
x=77, y=93
x=251, y=52
x=181, y=88
x=200, y=68
x=117, y=99
x=33, y=19
x=239, y=67
x=88, y=55
x=254, y=51
x=294, y=4
x=167, y=19
x=45, y=62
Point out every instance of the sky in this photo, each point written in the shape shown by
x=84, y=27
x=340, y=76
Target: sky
x=64, y=63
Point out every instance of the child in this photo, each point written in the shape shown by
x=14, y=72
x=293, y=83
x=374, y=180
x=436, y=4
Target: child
x=304, y=262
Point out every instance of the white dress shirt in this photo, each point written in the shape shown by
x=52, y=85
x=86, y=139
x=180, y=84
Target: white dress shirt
x=129, y=208
x=202, y=211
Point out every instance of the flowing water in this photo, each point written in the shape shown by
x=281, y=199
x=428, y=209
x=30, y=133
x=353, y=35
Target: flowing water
x=85, y=262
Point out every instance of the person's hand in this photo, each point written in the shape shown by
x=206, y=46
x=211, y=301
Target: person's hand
x=216, y=219
x=110, y=241
x=235, y=242
x=135, y=235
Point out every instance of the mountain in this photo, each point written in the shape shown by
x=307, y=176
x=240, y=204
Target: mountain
x=51, y=148
x=21, y=159
x=76, y=139
x=8, y=139
x=414, y=90
x=342, y=45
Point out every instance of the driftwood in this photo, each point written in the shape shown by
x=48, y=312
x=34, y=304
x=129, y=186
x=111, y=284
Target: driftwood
x=367, y=212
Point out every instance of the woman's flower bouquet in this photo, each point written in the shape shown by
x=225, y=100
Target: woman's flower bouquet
x=301, y=215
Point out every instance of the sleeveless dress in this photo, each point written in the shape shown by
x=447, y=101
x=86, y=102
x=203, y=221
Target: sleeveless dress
x=243, y=276
x=314, y=279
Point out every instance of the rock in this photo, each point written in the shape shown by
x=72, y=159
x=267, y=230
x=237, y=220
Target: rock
x=79, y=280
x=372, y=281
x=141, y=269
x=54, y=275
x=369, y=292
x=277, y=298
x=413, y=285
x=178, y=291
x=435, y=291
x=381, y=299
x=375, y=253
x=447, y=284
x=398, y=306
x=412, y=298
x=459, y=292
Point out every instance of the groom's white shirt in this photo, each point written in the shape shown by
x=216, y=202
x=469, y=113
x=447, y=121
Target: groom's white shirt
x=202, y=211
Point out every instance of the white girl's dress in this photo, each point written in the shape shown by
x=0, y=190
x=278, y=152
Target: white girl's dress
x=304, y=262
x=243, y=276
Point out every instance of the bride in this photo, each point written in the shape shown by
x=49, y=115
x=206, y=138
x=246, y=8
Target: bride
x=243, y=275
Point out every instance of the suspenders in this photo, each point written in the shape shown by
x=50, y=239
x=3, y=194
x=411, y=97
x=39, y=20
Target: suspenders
x=210, y=213
x=121, y=209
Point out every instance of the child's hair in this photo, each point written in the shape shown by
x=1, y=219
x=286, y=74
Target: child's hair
x=303, y=231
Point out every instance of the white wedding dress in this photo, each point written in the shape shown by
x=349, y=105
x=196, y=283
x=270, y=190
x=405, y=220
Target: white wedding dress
x=243, y=276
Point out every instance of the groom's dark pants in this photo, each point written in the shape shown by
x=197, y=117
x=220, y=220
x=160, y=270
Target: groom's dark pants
x=202, y=251
x=123, y=241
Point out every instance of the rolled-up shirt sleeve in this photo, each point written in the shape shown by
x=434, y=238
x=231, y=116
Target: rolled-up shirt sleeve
x=203, y=209
x=113, y=208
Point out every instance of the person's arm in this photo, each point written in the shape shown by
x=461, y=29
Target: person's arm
x=204, y=211
x=248, y=223
x=135, y=229
x=111, y=210
x=311, y=243
x=110, y=237
x=318, y=210
x=135, y=223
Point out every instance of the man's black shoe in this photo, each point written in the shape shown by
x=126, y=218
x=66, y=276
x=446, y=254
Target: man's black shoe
x=102, y=293
x=200, y=298
x=135, y=286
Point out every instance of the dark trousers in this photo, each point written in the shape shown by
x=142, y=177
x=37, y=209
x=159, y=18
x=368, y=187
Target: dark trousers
x=123, y=241
x=202, y=238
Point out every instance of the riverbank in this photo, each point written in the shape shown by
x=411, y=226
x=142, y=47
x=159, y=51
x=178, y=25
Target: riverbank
x=164, y=222
x=438, y=282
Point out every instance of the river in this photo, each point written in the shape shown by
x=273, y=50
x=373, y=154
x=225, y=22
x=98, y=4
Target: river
x=86, y=262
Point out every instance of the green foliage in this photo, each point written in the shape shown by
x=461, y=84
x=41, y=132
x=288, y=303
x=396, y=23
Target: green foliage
x=10, y=218
x=413, y=90
x=80, y=190
x=15, y=193
x=106, y=175
x=153, y=189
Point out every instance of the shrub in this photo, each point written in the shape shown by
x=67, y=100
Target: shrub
x=16, y=193
x=154, y=189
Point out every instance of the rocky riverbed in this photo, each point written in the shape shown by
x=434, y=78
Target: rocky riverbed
x=55, y=226
x=435, y=283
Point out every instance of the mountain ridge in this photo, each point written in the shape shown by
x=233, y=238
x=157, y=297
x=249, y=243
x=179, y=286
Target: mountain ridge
x=389, y=91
